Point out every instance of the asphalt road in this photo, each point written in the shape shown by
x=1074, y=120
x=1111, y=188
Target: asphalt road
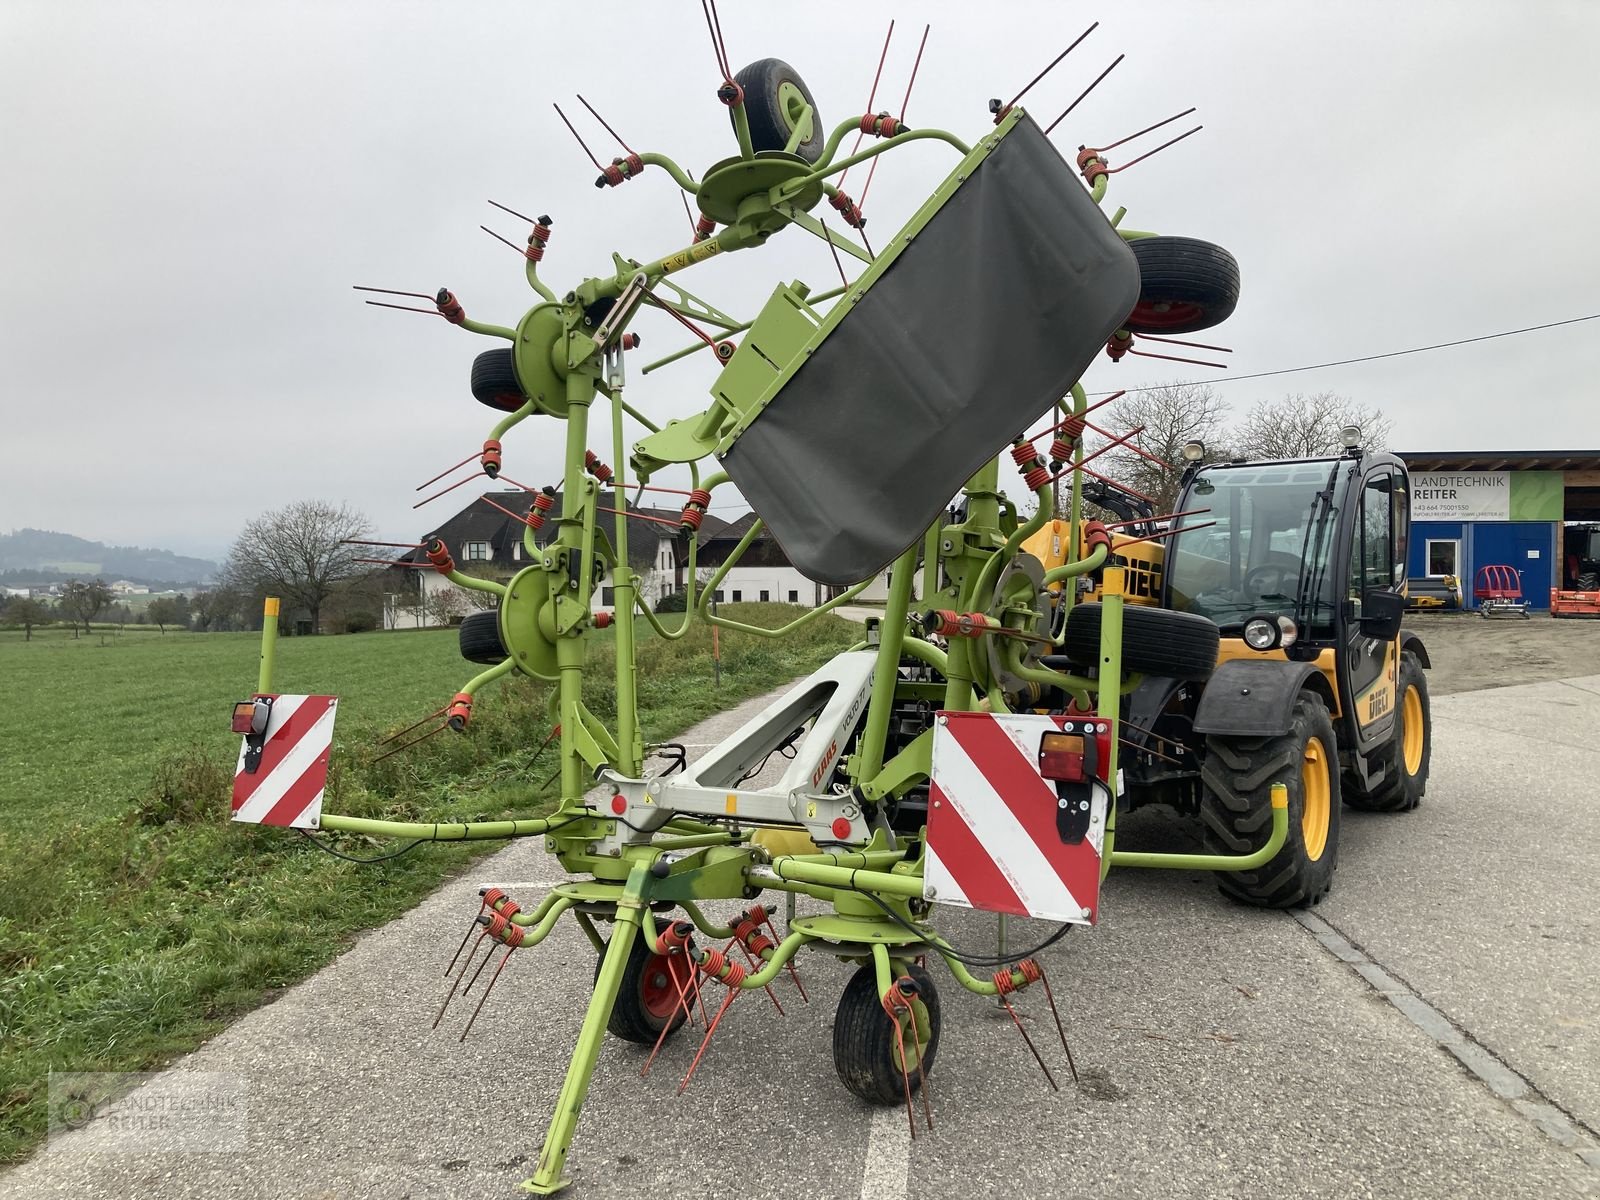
x=1223, y=1051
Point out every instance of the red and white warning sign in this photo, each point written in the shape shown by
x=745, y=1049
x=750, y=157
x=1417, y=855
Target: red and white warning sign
x=1017, y=814
x=290, y=772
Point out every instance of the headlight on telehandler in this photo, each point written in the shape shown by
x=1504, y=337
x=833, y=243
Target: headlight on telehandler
x=1270, y=633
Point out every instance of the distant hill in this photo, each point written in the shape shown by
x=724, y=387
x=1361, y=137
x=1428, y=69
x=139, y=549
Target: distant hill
x=62, y=554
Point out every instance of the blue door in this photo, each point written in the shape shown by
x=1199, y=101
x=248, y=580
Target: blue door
x=1525, y=546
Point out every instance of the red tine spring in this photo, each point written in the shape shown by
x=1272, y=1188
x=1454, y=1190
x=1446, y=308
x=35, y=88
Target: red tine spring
x=1005, y=988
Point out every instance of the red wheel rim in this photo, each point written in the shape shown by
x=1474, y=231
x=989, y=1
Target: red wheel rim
x=658, y=993
x=1148, y=315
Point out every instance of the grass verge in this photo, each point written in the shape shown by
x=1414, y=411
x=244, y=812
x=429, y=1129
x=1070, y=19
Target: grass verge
x=136, y=920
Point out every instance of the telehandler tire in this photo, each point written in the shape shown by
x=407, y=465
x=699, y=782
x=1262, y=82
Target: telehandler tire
x=1236, y=807
x=866, y=1053
x=1409, y=753
x=1155, y=641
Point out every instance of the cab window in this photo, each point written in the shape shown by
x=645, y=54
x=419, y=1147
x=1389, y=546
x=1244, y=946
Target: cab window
x=1378, y=558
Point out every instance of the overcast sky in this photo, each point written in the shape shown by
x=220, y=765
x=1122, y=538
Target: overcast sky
x=188, y=192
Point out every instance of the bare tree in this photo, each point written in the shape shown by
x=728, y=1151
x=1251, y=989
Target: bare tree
x=218, y=608
x=1171, y=417
x=446, y=605
x=82, y=601
x=356, y=603
x=26, y=612
x=1302, y=426
x=297, y=553
x=164, y=611
x=413, y=602
x=478, y=601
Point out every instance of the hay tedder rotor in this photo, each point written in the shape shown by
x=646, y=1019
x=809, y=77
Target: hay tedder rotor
x=958, y=756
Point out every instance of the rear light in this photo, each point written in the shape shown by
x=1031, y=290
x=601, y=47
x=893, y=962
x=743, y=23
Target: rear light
x=1061, y=757
x=250, y=716
x=1078, y=752
x=1076, y=759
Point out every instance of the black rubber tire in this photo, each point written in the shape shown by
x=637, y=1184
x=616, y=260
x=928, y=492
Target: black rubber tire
x=1400, y=790
x=1236, y=808
x=864, y=1050
x=480, y=638
x=1185, y=285
x=770, y=125
x=631, y=1019
x=1155, y=641
x=1588, y=582
x=494, y=381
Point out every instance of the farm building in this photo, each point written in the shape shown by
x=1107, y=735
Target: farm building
x=485, y=540
x=1532, y=510
x=763, y=571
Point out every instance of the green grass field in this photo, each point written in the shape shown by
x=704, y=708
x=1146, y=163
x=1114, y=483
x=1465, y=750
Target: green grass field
x=135, y=919
x=98, y=717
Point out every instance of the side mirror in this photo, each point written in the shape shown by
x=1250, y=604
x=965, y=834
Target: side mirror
x=1381, y=613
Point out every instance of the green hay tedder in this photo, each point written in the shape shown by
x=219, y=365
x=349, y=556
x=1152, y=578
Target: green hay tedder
x=960, y=755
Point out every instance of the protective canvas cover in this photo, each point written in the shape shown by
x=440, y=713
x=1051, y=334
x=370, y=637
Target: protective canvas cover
x=984, y=320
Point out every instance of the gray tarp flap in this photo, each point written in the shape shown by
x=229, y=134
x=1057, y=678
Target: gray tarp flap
x=987, y=318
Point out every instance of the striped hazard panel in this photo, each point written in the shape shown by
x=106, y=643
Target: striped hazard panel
x=997, y=837
x=287, y=785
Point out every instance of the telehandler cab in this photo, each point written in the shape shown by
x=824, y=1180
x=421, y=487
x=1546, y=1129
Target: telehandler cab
x=1301, y=567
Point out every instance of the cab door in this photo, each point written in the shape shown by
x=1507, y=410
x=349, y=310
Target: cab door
x=1377, y=564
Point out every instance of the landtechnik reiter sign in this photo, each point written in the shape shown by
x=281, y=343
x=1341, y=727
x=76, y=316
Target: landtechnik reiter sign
x=1487, y=495
x=1469, y=496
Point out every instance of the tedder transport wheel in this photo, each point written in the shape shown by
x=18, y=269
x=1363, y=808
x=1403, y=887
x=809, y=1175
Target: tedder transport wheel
x=480, y=638
x=494, y=381
x=1236, y=806
x=865, y=1051
x=1406, y=758
x=1185, y=285
x=774, y=97
x=647, y=999
x=1155, y=641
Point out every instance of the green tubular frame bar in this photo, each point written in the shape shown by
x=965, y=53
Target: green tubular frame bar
x=689, y=860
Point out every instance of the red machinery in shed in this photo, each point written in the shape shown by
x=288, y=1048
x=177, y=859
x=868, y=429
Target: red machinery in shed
x=1497, y=591
x=1579, y=595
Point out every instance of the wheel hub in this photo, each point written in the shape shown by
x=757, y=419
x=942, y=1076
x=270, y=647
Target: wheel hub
x=1411, y=731
x=1316, y=799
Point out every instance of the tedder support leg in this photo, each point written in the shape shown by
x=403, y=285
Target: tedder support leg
x=549, y=1178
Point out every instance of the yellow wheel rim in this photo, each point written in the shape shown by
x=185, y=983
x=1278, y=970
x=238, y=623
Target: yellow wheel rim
x=1412, y=733
x=1316, y=799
